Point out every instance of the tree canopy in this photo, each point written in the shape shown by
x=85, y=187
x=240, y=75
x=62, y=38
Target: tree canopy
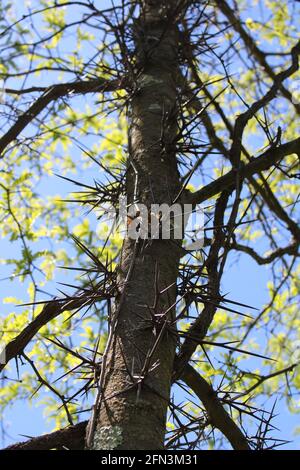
x=73, y=83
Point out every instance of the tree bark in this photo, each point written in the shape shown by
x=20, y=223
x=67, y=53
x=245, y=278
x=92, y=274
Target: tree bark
x=135, y=391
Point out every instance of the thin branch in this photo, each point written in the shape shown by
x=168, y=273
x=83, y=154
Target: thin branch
x=243, y=119
x=288, y=250
x=254, y=49
x=198, y=329
x=53, y=93
x=264, y=378
x=218, y=415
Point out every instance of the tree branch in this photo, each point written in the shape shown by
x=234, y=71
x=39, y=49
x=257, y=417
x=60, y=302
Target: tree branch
x=71, y=438
x=198, y=329
x=264, y=378
x=261, y=163
x=53, y=93
x=264, y=190
x=49, y=312
x=287, y=250
x=243, y=119
x=254, y=49
x=216, y=412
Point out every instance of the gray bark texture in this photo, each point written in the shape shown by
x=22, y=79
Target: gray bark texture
x=138, y=370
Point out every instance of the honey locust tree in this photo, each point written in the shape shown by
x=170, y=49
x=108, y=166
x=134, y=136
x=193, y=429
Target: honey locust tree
x=133, y=342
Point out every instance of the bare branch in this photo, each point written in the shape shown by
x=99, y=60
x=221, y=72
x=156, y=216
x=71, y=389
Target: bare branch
x=71, y=438
x=261, y=163
x=198, y=330
x=49, y=312
x=243, y=119
x=216, y=412
x=53, y=93
x=254, y=49
x=288, y=250
x=264, y=378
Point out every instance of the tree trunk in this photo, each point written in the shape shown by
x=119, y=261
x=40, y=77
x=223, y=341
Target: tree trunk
x=136, y=383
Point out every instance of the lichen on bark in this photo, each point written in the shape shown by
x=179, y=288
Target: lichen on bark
x=107, y=438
